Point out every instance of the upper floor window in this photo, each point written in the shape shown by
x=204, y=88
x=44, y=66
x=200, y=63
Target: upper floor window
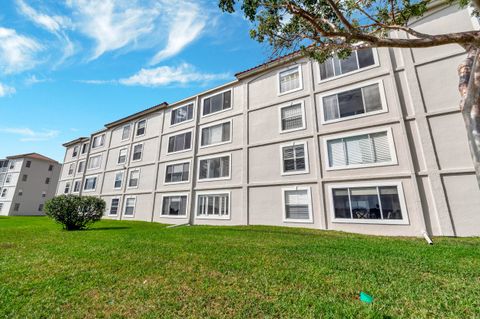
x=122, y=156
x=4, y=192
x=8, y=178
x=28, y=164
x=75, y=151
x=118, y=180
x=352, y=103
x=177, y=173
x=216, y=103
x=382, y=203
x=134, y=178
x=84, y=148
x=94, y=162
x=361, y=150
x=71, y=169
x=290, y=80
x=126, y=132
x=44, y=194
x=181, y=114
x=20, y=192
x=214, y=168
x=333, y=67
x=47, y=180
x=295, y=158
x=292, y=117
x=24, y=177
x=174, y=205
x=12, y=164
x=216, y=134
x=50, y=168
x=67, y=188
x=137, y=152
x=81, y=167
x=297, y=204
x=98, y=141
x=141, y=127
x=90, y=183
x=180, y=142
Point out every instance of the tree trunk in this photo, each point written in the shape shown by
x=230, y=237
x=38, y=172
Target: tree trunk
x=469, y=87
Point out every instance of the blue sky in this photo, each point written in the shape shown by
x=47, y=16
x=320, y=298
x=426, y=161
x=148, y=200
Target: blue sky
x=69, y=67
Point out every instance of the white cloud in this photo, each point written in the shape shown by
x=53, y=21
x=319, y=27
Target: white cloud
x=32, y=79
x=17, y=52
x=6, y=90
x=165, y=75
x=186, y=26
x=29, y=135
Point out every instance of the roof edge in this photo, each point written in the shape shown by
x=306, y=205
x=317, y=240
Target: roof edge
x=137, y=115
x=75, y=141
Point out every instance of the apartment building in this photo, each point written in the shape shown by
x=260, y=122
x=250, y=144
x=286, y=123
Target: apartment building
x=26, y=182
x=372, y=144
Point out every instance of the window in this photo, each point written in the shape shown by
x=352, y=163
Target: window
x=134, y=178
x=122, y=156
x=44, y=194
x=20, y=192
x=90, y=183
x=174, y=205
x=334, y=67
x=114, y=206
x=180, y=142
x=8, y=179
x=76, y=186
x=369, y=203
x=356, y=102
x=1, y=207
x=84, y=148
x=181, y=114
x=98, y=141
x=71, y=169
x=12, y=164
x=47, y=180
x=141, y=127
x=24, y=177
x=81, y=167
x=217, y=103
x=94, y=162
x=294, y=158
x=214, y=168
x=129, y=206
x=297, y=204
x=137, y=152
x=216, y=134
x=28, y=164
x=118, y=180
x=213, y=205
x=40, y=207
x=369, y=149
x=4, y=192
x=50, y=168
x=290, y=80
x=16, y=207
x=67, y=188
x=177, y=173
x=75, y=151
x=292, y=117
x=126, y=132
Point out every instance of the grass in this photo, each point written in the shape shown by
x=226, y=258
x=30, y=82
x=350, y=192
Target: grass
x=134, y=269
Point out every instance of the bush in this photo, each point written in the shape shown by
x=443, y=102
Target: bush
x=75, y=212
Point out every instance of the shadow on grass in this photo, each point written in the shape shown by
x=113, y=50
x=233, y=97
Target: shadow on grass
x=107, y=228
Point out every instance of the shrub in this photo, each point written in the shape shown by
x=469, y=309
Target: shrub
x=75, y=212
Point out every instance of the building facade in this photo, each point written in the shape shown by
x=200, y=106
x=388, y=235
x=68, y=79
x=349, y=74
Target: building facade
x=26, y=182
x=372, y=144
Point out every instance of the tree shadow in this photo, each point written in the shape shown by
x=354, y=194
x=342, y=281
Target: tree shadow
x=107, y=228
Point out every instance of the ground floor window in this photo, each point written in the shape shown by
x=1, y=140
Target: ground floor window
x=297, y=204
x=213, y=205
x=114, y=206
x=369, y=203
x=174, y=205
x=130, y=206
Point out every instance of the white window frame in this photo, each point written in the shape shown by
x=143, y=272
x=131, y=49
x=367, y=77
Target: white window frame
x=299, y=67
x=133, y=153
x=289, y=104
x=176, y=163
x=4, y=193
x=73, y=188
x=99, y=136
x=129, y=134
x=129, y=177
x=86, y=148
x=85, y=183
x=213, y=94
x=78, y=151
x=73, y=170
x=401, y=197
x=374, y=65
x=179, y=133
x=115, y=178
x=84, y=167
x=126, y=156
x=215, y=178
x=310, y=207
x=125, y=206
x=218, y=192
x=215, y=124
x=94, y=168
x=66, y=188
x=307, y=163
x=360, y=85
x=118, y=207
x=173, y=195
x=136, y=128
x=391, y=144
x=178, y=107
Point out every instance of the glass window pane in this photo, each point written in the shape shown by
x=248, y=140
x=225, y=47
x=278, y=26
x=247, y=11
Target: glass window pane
x=364, y=201
x=365, y=58
x=349, y=64
x=330, y=108
x=296, y=204
x=351, y=103
x=390, y=202
x=341, y=203
x=372, y=98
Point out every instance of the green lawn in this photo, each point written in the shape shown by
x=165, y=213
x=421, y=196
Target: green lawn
x=134, y=269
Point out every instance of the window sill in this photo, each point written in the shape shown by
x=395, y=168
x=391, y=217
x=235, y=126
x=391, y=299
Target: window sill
x=371, y=221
